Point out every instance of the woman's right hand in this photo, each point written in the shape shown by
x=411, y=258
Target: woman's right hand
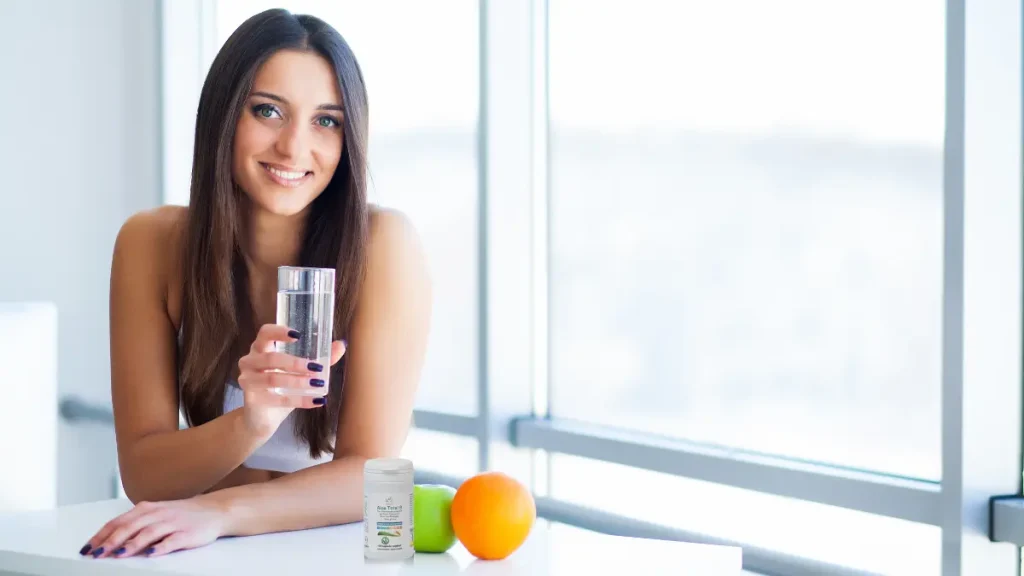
x=263, y=369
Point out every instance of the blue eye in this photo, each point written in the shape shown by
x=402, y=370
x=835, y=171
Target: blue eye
x=265, y=110
x=327, y=122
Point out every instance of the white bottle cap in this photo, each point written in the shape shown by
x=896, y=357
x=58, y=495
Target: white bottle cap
x=388, y=466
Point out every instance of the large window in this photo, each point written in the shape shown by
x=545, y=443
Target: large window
x=746, y=224
x=421, y=72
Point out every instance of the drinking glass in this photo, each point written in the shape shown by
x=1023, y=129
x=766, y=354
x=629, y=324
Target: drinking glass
x=305, y=303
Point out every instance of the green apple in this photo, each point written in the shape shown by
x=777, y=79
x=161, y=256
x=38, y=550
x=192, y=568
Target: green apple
x=432, y=518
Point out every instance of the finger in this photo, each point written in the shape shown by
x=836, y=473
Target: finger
x=182, y=540
x=145, y=541
x=310, y=403
x=113, y=544
x=93, y=545
x=271, y=399
x=267, y=381
x=270, y=333
x=259, y=361
x=338, y=348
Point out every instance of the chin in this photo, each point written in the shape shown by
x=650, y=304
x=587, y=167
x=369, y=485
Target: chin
x=282, y=200
x=283, y=203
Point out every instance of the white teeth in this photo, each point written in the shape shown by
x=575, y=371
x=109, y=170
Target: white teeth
x=285, y=175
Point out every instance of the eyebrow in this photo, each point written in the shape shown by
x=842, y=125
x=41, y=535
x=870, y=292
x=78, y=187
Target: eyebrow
x=276, y=98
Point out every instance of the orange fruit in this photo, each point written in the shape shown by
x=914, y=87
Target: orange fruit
x=492, y=514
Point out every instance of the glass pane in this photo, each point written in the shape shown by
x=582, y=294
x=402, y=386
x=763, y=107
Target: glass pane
x=746, y=224
x=516, y=462
x=818, y=532
x=449, y=454
x=421, y=72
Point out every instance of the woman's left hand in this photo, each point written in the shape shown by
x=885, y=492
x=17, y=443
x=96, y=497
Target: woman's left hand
x=157, y=528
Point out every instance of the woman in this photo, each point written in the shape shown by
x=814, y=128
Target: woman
x=278, y=179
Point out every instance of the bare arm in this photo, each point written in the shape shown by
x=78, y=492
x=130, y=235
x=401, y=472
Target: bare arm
x=158, y=461
x=386, y=353
x=244, y=475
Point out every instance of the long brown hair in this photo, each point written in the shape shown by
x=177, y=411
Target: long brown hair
x=216, y=311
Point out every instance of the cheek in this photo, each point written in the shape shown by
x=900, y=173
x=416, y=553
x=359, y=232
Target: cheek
x=329, y=155
x=250, y=138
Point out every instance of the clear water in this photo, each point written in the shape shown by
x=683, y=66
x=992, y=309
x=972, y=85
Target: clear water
x=312, y=314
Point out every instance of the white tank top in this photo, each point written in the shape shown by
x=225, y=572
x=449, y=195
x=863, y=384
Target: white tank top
x=284, y=452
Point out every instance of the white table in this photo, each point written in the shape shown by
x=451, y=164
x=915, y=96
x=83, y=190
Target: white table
x=46, y=543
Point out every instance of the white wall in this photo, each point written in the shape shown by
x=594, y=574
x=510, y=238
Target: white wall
x=79, y=150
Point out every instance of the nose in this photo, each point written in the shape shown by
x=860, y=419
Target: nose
x=292, y=141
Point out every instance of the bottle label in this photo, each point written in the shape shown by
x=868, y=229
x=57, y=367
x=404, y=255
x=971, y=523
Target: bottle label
x=387, y=522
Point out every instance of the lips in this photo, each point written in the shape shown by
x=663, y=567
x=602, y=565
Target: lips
x=286, y=177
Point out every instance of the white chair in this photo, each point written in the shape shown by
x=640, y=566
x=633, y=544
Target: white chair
x=28, y=407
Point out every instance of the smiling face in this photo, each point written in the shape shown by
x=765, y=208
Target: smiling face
x=290, y=133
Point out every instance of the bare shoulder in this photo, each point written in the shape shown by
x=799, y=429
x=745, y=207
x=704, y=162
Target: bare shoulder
x=391, y=226
x=148, y=247
x=153, y=228
x=396, y=262
x=395, y=246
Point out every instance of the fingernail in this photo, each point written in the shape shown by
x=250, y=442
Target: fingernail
x=96, y=553
x=150, y=550
x=293, y=334
x=120, y=551
x=319, y=401
x=85, y=549
x=316, y=382
x=313, y=366
x=344, y=343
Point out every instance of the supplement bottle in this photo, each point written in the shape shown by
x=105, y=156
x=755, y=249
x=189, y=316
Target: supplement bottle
x=387, y=509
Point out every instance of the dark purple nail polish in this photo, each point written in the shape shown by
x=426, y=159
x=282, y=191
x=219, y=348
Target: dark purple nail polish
x=120, y=551
x=293, y=334
x=314, y=367
x=150, y=550
x=316, y=382
x=96, y=553
x=319, y=401
x=85, y=549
